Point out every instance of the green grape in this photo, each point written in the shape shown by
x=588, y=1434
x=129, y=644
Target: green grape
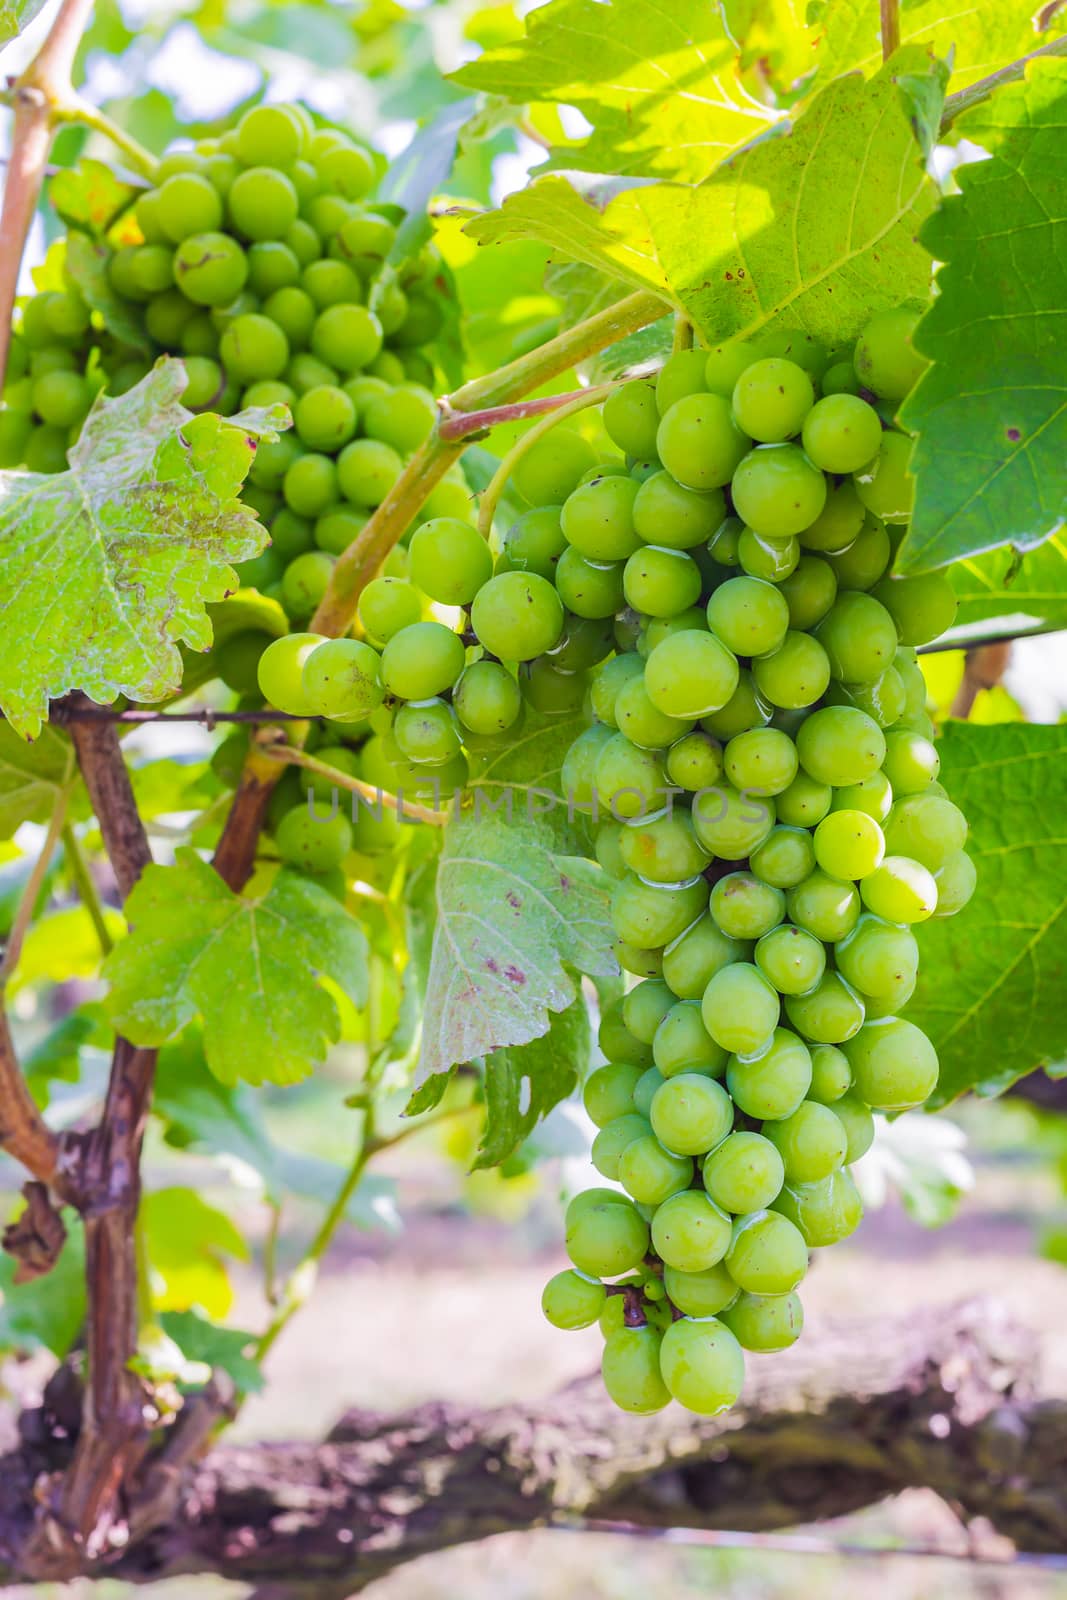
x=631, y=1370
x=744, y=907
x=956, y=882
x=651, y=915
x=771, y=400
x=67, y=315
x=724, y=545
x=606, y=845
x=650, y=1174
x=829, y=1013
x=578, y=773
x=589, y=588
x=549, y=471
x=403, y=417
x=767, y=1254
x=840, y=745
x=840, y=522
x=842, y=433
x=62, y=399
x=341, y=760
x=700, y=1294
x=702, y=1365
x=642, y=722
x=765, y=1322
x=923, y=608
x=630, y=782
x=331, y=283
x=426, y=732
x=790, y=958
x=695, y=761
x=900, y=890
x=849, y=844
x=857, y=1121
x=824, y=1213
x=253, y=347
x=534, y=543
x=545, y=687
x=885, y=358
x=597, y=519
x=167, y=318
x=571, y=1300
x=809, y=591
x=336, y=529
x=804, y=803
x=263, y=572
x=584, y=643
x=273, y=458
x=876, y=956
x=422, y=660
x=238, y=662
x=690, y=674
x=152, y=269
x=613, y=1139
x=387, y=605
x=271, y=266
x=262, y=203
x=785, y=858
x=824, y=906
x=911, y=762
x=831, y=1078
x=769, y=559
x=15, y=430
x=293, y=310
x=874, y=795
x=367, y=470
x=631, y=418
x=347, y=336
x=777, y=491
x=663, y=848
x=749, y=616
x=882, y=700
x=349, y=170
x=729, y=824
x=745, y=1173
x=795, y=346
x=311, y=843
x=724, y=364
x=609, y=1092
x=644, y=1008
x=304, y=583
x=308, y=372
x=690, y=962
x=660, y=582
x=617, y=1042
x=606, y=1239
x=341, y=678
x=745, y=709
x=795, y=675
x=681, y=374
x=761, y=760
x=269, y=135
x=885, y=486
x=487, y=698
x=450, y=561
x=859, y=637
x=772, y=1084
x=910, y=675
x=325, y=418
x=699, y=442
x=894, y=1065
x=691, y=1113
x=187, y=203
x=740, y=1009
x=866, y=558
x=811, y=1142
x=204, y=384
x=682, y=1044
x=613, y=676
x=666, y=513
x=840, y=379
x=281, y=672
x=689, y=1231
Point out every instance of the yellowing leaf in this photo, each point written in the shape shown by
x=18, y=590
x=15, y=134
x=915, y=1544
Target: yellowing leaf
x=187, y=1242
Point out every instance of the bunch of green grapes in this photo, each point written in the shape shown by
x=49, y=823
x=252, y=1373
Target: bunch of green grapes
x=764, y=774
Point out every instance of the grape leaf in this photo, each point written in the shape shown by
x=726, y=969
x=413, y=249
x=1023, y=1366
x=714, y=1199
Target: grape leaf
x=657, y=81
x=524, y=1082
x=15, y=15
x=816, y=227
x=108, y=565
x=419, y=174
x=48, y=1311
x=977, y=38
x=775, y=42
x=31, y=776
x=990, y=461
x=225, y=1349
x=91, y=196
x=187, y=1242
x=248, y=967
x=1022, y=592
x=87, y=264
x=991, y=980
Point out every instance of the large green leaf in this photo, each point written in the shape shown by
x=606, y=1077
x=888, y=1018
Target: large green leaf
x=977, y=38
x=990, y=460
x=105, y=567
x=248, y=967
x=226, y=1349
x=187, y=1243
x=1024, y=592
x=48, y=1311
x=815, y=228
x=991, y=980
x=31, y=775
x=658, y=83
x=524, y=1082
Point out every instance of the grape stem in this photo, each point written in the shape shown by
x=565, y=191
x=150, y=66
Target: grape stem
x=498, y=482
x=976, y=93
x=889, y=12
x=462, y=424
x=366, y=791
x=75, y=109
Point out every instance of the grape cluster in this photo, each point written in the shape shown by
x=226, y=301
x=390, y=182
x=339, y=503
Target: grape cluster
x=762, y=767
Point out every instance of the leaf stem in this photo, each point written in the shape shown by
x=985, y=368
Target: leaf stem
x=84, y=883
x=420, y=1125
x=497, y=483
x=75, y=109
x=462, y=424
x=34, y=883
x=889, y=13
x=976, y=93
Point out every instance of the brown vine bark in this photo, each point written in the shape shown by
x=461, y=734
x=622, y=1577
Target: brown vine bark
x=852, y=1414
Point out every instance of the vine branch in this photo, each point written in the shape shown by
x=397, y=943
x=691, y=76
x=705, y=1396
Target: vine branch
x=889, y=14
x=975, y=93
